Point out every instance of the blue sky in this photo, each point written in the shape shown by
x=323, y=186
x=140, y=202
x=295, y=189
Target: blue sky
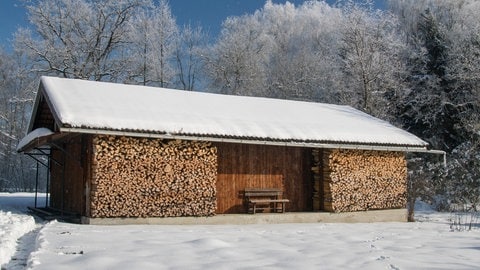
x=208, y=13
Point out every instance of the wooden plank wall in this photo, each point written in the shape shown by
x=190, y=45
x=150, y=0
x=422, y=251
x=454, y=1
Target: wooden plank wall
x=73, y=185
x=243, y=166
x=44, y=117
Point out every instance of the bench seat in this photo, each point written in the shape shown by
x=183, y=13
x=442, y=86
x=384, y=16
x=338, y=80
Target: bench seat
x=265, y=199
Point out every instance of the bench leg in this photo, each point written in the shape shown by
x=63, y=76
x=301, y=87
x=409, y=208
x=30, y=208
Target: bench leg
x=276, y=208
x=281, y=209
x=254, y=208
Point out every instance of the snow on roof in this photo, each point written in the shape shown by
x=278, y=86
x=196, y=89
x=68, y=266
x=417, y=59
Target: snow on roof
x=118, y=107
x=34, y=135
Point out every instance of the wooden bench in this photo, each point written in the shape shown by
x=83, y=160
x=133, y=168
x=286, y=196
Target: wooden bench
x=265, y=199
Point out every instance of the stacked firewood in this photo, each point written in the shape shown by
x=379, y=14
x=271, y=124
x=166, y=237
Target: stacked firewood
x=356, y=180
x=141, y=177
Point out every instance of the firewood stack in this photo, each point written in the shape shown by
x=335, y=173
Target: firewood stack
x=356, y=180
x=140, y=177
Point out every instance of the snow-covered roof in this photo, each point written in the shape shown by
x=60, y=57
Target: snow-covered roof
x=36, y=134
x=101, y=106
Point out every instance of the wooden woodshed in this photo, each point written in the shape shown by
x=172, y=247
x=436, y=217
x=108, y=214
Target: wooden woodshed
x=117, y=151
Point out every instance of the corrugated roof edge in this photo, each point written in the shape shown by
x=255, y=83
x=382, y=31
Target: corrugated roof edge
x=253, y=140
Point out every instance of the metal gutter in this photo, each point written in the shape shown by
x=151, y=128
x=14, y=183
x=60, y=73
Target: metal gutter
x=435, y=152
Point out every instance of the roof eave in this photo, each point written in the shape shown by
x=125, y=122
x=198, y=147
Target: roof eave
x=329, y=145
x=41, y=141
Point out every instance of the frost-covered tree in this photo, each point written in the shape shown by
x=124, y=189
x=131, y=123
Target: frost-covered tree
x=372, y=51
x=429, y=108
x=16, y=98
x=235, y=62
x=85, y=39
x=281, y=51
x=78, y=38
x=464, y=53
x=303, y=57
x=425, y=111
x=443, y=101
x=188, y=54
x=153, y=36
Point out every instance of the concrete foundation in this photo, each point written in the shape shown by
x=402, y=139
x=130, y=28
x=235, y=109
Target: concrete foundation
x=391, y=215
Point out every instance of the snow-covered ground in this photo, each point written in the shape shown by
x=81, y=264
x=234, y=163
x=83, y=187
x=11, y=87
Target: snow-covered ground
x=14, y=223
x=427, y=244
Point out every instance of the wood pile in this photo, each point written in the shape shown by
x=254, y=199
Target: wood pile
x=141, y=177
x=356, y=180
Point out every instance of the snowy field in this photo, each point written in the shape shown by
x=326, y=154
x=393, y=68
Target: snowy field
x=429, y=243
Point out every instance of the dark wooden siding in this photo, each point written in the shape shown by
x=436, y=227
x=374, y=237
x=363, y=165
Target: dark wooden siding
x=67, y=186
x=44, y=117
x=243, y=166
